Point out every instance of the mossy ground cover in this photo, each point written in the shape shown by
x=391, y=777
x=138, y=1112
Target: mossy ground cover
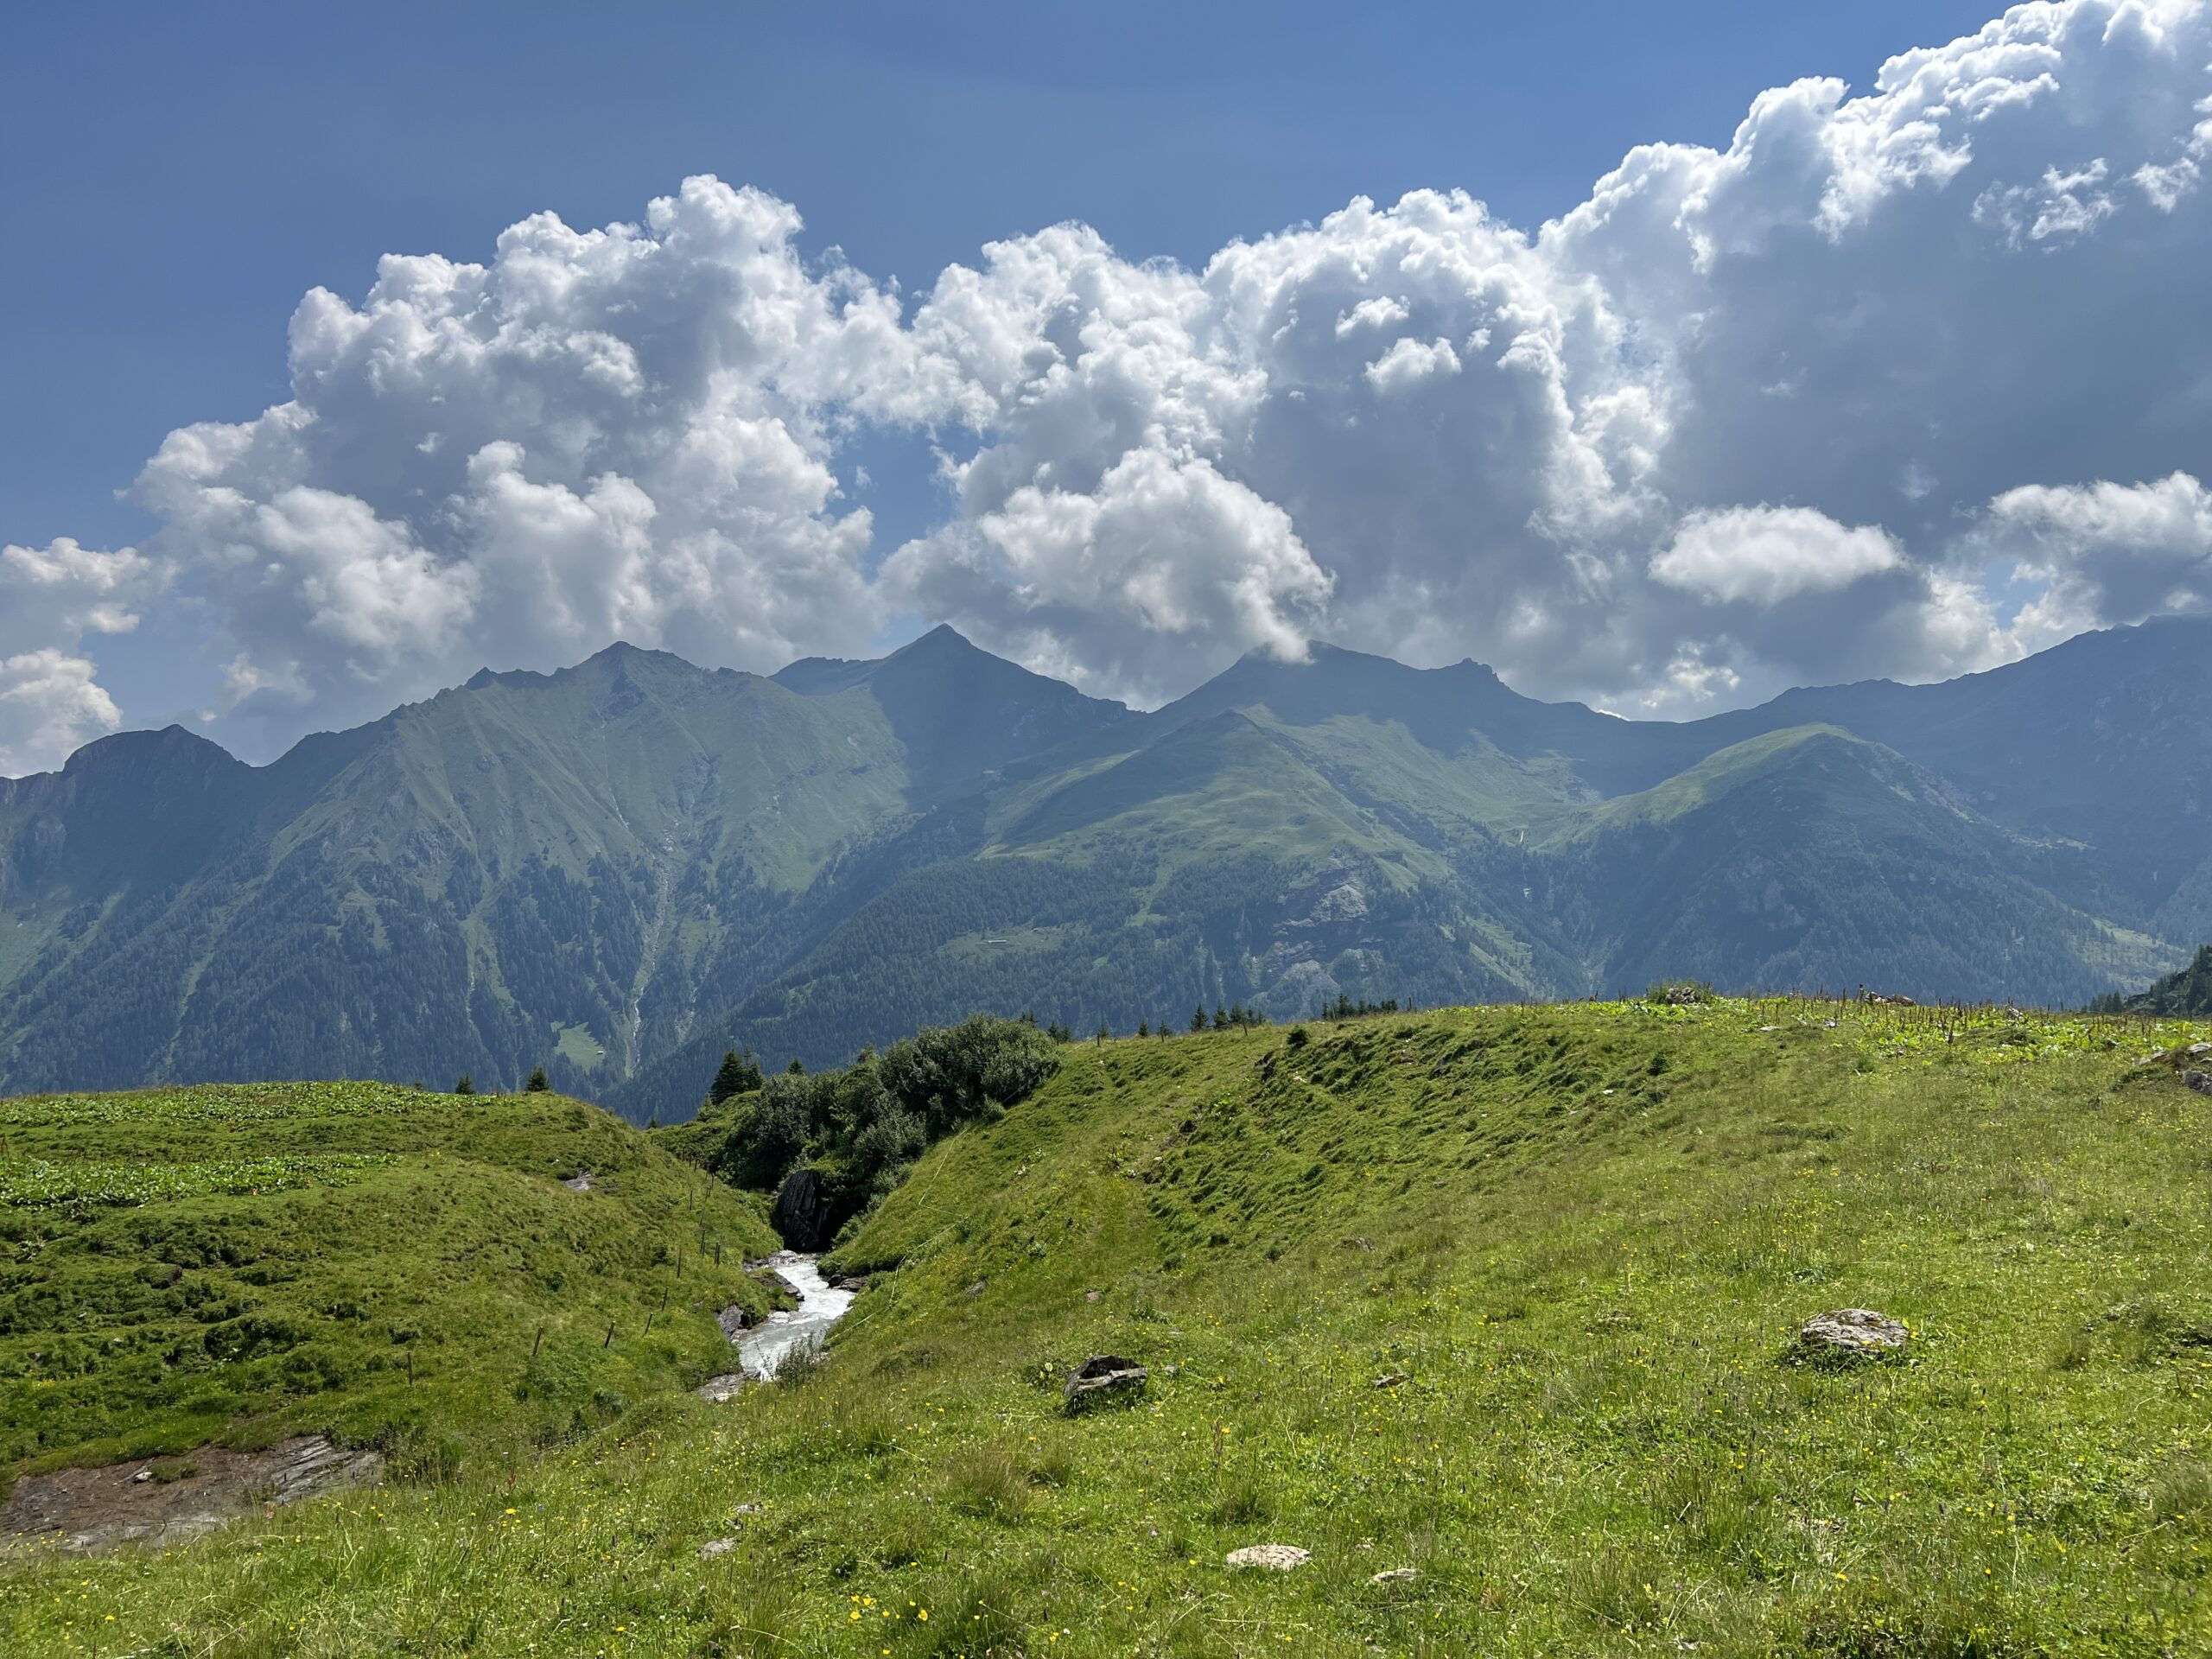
x=1503, y=1296
x=408, y=1270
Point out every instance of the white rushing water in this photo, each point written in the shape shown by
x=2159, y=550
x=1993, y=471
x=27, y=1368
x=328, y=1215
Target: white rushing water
x=820, y=1305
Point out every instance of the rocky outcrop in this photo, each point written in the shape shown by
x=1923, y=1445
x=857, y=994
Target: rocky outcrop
x=91, y=1509
x=1104, y=1379
x=801, y=1215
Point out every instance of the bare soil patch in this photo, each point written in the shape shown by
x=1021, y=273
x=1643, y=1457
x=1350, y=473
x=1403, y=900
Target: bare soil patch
x=164, y=1500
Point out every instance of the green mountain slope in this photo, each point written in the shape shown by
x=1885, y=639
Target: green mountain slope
x=618, y=870
x=1812, y=859
x=531, y=869
x=1498, y=1303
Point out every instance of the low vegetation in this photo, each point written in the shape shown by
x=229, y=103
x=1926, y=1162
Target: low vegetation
x=861, y=1127
x=400, y=1269
x=1492, y=1311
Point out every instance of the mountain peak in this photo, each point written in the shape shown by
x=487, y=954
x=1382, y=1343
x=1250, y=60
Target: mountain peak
x=621, y=654
x=170, y=747
x=943, y=637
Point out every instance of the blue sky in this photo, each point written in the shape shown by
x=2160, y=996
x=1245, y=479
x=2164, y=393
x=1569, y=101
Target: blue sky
x=294, y=145
x=179, y=179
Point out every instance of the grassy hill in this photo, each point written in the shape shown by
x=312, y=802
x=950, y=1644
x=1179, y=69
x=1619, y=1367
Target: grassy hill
x=1504, y=1296
x=396, y=1270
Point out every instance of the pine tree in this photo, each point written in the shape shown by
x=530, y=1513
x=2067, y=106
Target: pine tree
x=538, y=1084
x=465, y=1086
x=740, y=1074
x=1220, y=1018
x=1103, y=1033
x=1198, y=1018
x=1144, y=1027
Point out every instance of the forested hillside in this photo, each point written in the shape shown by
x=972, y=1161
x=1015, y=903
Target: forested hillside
x=2186, y=993
x=618, y=871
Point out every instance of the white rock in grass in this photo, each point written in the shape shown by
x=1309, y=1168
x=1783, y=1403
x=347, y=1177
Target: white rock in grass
x=1271, y=1557
x=1852, y=1333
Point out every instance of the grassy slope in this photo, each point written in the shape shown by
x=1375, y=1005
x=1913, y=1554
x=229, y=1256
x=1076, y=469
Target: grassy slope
x=237, y=1264
x=1217, y=788
x=1582, y=1235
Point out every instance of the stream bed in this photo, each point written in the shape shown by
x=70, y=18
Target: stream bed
x=821, y=1305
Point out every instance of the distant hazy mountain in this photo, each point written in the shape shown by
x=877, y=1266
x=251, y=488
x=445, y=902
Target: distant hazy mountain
x=621, y=869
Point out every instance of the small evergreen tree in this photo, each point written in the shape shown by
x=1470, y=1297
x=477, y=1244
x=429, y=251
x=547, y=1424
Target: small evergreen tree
x=1198, y=1018
x=739, y=1075
x=1220, y=1018
x=539, y=1083
x=465, y=1086
x=1144, y=1027
x=795, y=1069
x=1103, y=1033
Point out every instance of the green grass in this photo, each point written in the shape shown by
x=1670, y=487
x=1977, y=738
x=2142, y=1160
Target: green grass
x=1580, y=1239
x=393, y=1267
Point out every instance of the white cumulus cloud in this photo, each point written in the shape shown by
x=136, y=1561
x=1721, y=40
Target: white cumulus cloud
x=52, y=599
x=1919, y=312
x=49, y=705
x=2107, y=552
x=1765, y=555
x=622, y=433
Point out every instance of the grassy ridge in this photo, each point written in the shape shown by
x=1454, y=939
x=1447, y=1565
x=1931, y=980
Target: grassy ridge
x=236, y=1264
x=1570, y=1246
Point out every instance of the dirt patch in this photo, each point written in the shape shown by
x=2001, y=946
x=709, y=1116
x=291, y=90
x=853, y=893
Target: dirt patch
x=163, y=1500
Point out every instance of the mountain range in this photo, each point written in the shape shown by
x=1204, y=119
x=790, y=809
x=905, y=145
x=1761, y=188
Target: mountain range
x=619, y=869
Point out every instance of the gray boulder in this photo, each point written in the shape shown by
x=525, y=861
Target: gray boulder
x=1104, y=1379
x=1851, y=1333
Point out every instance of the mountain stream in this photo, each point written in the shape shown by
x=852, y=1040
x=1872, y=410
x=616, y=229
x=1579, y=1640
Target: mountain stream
x=821, y=1305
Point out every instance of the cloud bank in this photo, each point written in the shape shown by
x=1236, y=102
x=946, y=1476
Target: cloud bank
x=1907, y=382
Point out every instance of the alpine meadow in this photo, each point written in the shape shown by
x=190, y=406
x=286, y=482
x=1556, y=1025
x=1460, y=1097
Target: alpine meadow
x=1000, y=833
